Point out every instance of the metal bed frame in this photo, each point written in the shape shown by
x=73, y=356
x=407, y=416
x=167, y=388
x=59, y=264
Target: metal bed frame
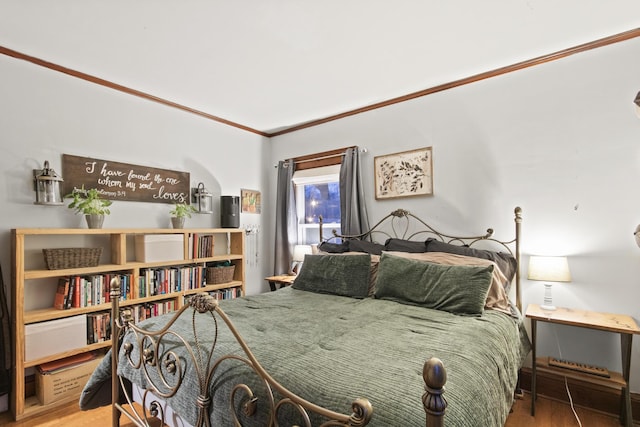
x=169, y=368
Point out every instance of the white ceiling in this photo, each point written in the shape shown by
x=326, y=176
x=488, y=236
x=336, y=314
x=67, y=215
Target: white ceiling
x=269, y=64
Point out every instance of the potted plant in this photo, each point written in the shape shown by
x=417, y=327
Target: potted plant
x=179, y=212
x=89, y=203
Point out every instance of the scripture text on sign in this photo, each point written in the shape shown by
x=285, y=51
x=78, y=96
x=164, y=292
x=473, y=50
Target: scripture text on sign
x=123, y=181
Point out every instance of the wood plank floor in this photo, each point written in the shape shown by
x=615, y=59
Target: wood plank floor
x=549, y=413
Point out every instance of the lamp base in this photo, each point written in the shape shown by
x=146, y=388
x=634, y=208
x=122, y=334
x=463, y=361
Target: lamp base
x=547, y=302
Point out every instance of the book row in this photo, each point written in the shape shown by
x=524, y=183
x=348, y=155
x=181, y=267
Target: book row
x=160, y=281
x=99, y=324
x=90, y=290
x=98, y=327
x=222, y=294
x=85, y=291
x=200, y=245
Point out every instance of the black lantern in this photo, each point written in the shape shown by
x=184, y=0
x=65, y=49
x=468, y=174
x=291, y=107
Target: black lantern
x=203, y=199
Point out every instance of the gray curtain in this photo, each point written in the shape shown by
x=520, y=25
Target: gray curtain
x=353, y=210
x=286, y=218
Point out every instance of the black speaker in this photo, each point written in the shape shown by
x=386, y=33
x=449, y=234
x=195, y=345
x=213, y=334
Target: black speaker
x=230, y=211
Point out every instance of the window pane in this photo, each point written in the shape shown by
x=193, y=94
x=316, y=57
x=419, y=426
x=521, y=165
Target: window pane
x=322, y=199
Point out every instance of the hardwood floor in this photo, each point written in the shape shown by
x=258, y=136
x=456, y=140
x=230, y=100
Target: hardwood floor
x=549, y=413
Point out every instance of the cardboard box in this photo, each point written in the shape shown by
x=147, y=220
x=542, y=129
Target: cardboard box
x=159, y=247
x=65, y=382
x=54, y=336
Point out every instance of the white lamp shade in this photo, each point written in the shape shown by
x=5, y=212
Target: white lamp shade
x=549, y=269
x=299, y=251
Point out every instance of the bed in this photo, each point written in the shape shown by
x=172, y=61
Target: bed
x=362, y=337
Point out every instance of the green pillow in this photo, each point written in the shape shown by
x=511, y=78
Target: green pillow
x=458, y=289
x=335, y=274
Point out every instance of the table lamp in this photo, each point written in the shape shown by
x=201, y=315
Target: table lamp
x=549, y=269
x=299, y=251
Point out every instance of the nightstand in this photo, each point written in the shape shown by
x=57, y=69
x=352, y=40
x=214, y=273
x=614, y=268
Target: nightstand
x=282, y=280
x=616, y=323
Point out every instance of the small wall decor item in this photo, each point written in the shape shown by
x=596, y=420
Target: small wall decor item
x=202, y=199
x=251, y=201
x=408, y=173
x=47, y=184
x=125, y=181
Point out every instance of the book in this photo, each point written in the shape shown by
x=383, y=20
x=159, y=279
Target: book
x=67, y=362
x=76, y=292
x=68, y=302
x=59, y=301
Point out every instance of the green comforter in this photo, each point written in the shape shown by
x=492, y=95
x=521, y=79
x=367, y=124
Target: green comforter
x=331, y=350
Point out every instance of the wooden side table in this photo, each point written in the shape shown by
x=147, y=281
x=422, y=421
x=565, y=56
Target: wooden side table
x=616, y=323
x=282, y=280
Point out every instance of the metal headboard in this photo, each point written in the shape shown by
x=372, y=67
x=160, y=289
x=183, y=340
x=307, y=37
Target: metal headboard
x=402, y=224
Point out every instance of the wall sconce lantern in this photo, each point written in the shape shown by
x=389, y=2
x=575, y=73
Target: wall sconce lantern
x=203, y=199
x=47, y=186
x=637, y=102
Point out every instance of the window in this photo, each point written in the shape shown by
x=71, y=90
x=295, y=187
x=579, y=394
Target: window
x=317, y=194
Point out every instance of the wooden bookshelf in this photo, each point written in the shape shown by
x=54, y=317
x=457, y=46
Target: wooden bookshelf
x=30, y=276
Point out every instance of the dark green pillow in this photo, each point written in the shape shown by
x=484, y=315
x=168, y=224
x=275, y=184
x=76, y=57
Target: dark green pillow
x=458, y=289
x=335, y=274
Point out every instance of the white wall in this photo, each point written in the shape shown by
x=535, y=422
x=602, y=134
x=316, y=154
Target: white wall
x=44, y=114
x=561, y=140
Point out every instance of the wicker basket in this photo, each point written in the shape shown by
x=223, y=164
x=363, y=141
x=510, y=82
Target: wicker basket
x=57, y=259
x=216, y=275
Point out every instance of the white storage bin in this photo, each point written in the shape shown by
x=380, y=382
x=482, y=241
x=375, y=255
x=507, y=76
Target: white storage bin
x=159, y=247
x=55, y=336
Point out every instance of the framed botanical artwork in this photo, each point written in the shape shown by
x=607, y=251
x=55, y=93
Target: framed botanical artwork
x=408, y=173
x=250, y=201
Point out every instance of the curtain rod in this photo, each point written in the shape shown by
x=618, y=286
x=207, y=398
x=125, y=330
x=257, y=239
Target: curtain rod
x=322, y=156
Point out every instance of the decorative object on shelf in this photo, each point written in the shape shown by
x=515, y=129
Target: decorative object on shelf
x=549, y=269
x=408, y=173
x=47, y=186
x=220, y=273
x=251, y=201
x=91, y=205
x=299, y=251
x=636, y=233
x=179, y=212
x=230, y=211
x=637, y=102
x=203, y=199
x=60, y=258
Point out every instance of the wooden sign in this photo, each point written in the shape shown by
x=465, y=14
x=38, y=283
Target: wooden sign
x=123, y=181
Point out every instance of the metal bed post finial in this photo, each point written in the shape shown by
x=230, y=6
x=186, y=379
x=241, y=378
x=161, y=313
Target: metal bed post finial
x=114, y=294
x=435, y=405
x=518, y=221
